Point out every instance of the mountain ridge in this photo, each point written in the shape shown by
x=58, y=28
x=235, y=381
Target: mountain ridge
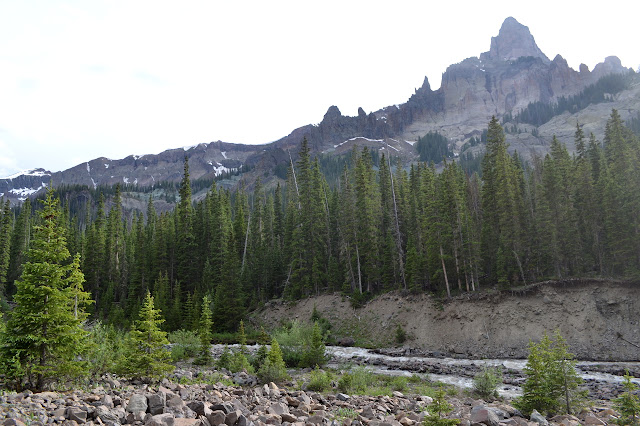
x=513, y=73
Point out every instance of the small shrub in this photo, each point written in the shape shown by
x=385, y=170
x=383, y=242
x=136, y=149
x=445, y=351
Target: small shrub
x=628, y=403
x=401, y=335
x=485, y=383
x=399, y=383
x=106, y=348
x=345, y=383
x=185, y=344
x=273, y=368
x=319, y=380
x=437, y=410
x=315, y=352
x=362, y=378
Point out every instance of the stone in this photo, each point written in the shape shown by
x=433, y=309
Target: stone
x=157, y=402
x=174, y=401
x=216, y=417
x=77, y=414
x=161, y=420
x=316, y=419
x=346, y=341
x=286, y=417
x=516, y=421
x=343, y=397
x=231, y=418
x=482, y=414
x=367, y=412
x=186, y=422
x=13, y=422
x=590, y=419
x=107, y=401
x=502, y=414
x=538, y=418
x=397, y=394
x=198, y=407
x=137, y=402
x=278, y=408
x=225, y=407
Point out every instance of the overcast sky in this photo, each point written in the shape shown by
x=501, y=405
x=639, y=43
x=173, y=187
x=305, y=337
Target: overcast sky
x=84, y=79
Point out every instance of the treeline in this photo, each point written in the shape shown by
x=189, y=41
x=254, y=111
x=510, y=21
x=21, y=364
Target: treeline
x=538, y=113
x=377, y=229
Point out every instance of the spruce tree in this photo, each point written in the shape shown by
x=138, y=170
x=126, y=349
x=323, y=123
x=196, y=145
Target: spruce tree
x=146, y=356
x=44, y=337
x=205, y=331
x=6, y=220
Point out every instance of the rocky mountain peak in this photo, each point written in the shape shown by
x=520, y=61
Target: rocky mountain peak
x=512, y=42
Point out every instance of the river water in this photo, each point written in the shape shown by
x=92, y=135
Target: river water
x=460, y=371
x=440, y=369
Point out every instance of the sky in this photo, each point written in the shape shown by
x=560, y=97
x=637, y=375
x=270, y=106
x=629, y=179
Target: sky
x=89, y=78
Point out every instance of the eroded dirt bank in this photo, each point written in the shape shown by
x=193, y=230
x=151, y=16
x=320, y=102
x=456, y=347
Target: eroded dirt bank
x=600, y=319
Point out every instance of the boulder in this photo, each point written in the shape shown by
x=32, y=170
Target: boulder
x=538, y=418
x=482, y=414
x=157, y=402
x=77, y=414
x=137, y=402
x=216, y=418
x=161, y=420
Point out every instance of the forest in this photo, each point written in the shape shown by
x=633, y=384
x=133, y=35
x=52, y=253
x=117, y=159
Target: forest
x=378, y=227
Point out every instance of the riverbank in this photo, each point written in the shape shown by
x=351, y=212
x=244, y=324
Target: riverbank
x=599, y=319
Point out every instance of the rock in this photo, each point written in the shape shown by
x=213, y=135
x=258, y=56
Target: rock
x=516, y=421
x=343, y=397
x=186, y=422
x=13, y=422
x=161, y=420
x=156, y=403
x=346, y=341
x=278, y=408
x=199, y=407
x=315, y=419
x=137, y=402
x=538, y=418
x=367, y=412
x=502, y=414
x=216, y=418
x=225, y=407
x=482, y=414
x=244, y=379
x=77, y=414
x=286, y=417
x=397, y=394
x=231, y=418
x=174, y=401
x=590, y=419
x=107, y=401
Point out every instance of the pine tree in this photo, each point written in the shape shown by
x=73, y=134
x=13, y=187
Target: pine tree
x=552, y=383
x=205, y=331
x=146, y=357
x=273, y=368
x=44, y=336
x=315, y=354
x=628, y=403
x=6, y=220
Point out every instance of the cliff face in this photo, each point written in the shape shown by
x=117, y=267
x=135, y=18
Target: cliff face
x=505, y=79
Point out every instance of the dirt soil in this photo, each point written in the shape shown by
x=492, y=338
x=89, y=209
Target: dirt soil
x=600, y=319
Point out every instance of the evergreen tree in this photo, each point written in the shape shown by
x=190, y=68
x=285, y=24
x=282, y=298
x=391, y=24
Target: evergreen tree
x=205, y=331
x=44, y=336
x=628, y=403
x=6, y=220
x=19, y=244
x=552, y=383
x=273, y=368
x=315, y=354
x=146, y=357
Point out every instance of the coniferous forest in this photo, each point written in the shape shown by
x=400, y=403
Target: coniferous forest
x=376, y=229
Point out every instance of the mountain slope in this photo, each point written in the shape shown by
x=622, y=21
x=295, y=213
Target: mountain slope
x=504, y=80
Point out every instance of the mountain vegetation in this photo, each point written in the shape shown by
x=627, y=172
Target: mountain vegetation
x=379, y=227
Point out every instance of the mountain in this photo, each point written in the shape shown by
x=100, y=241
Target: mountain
x=502, y=82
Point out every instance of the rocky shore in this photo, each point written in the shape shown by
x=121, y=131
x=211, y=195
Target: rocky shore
x=175, y=403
